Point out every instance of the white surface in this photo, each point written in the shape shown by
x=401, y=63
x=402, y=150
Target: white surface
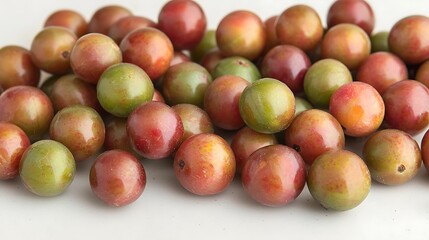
x=165, y=210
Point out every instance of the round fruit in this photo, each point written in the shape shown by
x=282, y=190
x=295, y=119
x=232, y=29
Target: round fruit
x=123, y=87
x=380, y=42
x=270, y=27
x=358, y=107
x=17, y=68
x=300, y=26
x=288, y=64
x=70, y=90
x=125, y=25
x=184, y=22
x=267, y=106
x=314, y=132
x=194, y=119
x=323, y=79
x=339, y=180
x=13, y=143
x=241, y=33
x=425, y=150
x=381, y=70
x=116, y=136
x=69, y=19
x=155, y=130
x=207, y=43
x=80, y=129
x=47, y=168
x=27, y=107
x=409, y=39
x=117, y=178
x=301, y=104
x=274, y=175
x=246, y=141
x=422, y=74
x=138, y=48
x=237, y=66
x=105, y=17
x=406, y=106
x=50, y=49
x=392, y=156
x=354, y=12
x=347, y=43
x=185, y=82
x=204, y=164
x=92, y=54
x=221, y=101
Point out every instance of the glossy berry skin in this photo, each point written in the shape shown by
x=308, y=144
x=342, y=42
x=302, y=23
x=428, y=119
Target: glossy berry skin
x=313, y=133
x=155, y=130
x=241, y=33
x=27, y=107
x=323, y=78
x=267, y=106
x=137, y=48
x=380, y=42
x=105, y=17
x=92, y=54
x=206, y=44
x=270, y=27
x=422, y=74
x=237, y=66
x=246, y=141
x=358, y=107
x=406, y=106
x=352, y=11
x=47, y=168
x=70, y=90
x=204, y=164
x=13, y=143
x=221, y=101
x=157, y=96
x=347, y=43
x=210, y=60
x=179, y=57
x=339, y=180
x=274, y=175
x=116, y=136
x=301, y=104
x=69, y=19
x=409, y=39
x=17, y=68
x=393, y=156
x=185, y=82
x=125, y=25
x=80, y=129
x=184, y=22
x=425, y=150
x=117, y=178
x=50, y=49
x=288, y=64
x=123, y=87
x=300, y=26
x=381, y=70
x=194, y=119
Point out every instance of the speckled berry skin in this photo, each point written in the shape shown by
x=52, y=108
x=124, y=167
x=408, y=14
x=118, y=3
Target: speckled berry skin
x=29, y=108
x=80, y=129
x=47, y=168
x=406, y=106
x=267, y=106
x=155, y=130
x=409, y=39
x=274, y=175
x=313, y=133
x=339, y=180
x=13, y=143
x=204, y=164
x=393, y=157
x=358, y=107
x=117, y=178
x=241, y=33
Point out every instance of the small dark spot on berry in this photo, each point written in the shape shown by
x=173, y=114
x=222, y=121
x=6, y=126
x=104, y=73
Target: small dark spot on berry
x=296, y=147
x=401, y=168
x=181, y=164
x=65, y=54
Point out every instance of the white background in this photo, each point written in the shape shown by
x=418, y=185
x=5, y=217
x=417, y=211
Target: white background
x=165, y=210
